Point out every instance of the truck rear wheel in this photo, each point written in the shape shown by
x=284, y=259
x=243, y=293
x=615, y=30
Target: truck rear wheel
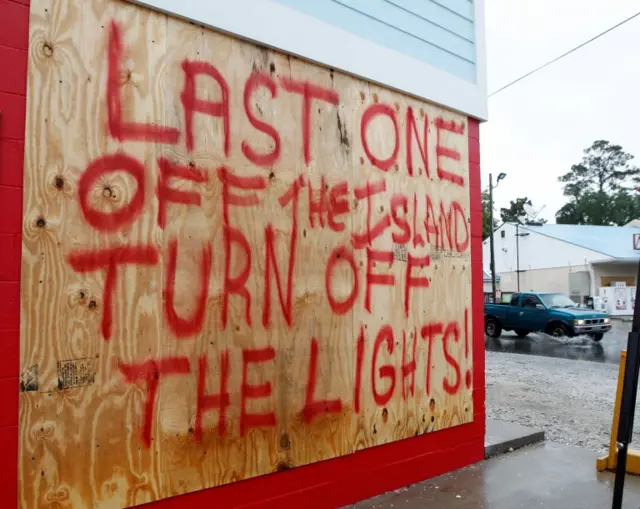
x=492, y=328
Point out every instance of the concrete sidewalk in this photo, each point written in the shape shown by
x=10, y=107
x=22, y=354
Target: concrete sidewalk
x=547, y=475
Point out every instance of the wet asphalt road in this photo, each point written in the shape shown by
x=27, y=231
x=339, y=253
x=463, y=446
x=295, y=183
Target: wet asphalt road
x=578, y=348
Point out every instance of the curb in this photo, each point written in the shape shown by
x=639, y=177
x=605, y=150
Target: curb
x=503, y=437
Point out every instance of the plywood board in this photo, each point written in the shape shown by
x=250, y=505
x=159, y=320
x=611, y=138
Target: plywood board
x=234, y=262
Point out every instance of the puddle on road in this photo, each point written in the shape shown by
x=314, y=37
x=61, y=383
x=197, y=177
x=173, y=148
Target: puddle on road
x=575, y=348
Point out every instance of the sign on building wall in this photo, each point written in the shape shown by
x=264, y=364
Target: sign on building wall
x=234, y=262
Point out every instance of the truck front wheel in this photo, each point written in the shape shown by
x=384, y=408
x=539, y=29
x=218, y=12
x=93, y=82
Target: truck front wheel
x=597, y=337
x=492, y=328
x=557, y=330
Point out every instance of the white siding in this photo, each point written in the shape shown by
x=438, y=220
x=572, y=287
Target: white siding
x=433, y=49
x=537, y=251
x=488, y=287
x=439, y=34
x=538, y=280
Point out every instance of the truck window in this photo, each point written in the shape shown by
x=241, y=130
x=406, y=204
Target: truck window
x=505, y=298
x=514, y=299
x=530, y=301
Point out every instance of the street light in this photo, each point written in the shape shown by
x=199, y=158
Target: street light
x=501, y=176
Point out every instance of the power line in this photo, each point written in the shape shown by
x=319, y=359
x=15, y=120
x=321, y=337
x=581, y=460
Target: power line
x=565, y=54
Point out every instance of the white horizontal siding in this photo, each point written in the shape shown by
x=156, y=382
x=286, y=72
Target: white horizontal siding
x=439, y=33
x=463, y=8
x=432, y=49
x=434, y=12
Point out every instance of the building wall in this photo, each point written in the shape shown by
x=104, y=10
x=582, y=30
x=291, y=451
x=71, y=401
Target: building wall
x=433, y=49
x=325, y=484
x=14, y=37
x=438, y=32
x=557, y=279
x=624, y=270
x=538, y=280
x=537, y=251
x=488, y=287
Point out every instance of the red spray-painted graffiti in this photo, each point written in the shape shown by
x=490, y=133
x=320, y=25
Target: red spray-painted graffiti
x=412, y=218
x=385, y=378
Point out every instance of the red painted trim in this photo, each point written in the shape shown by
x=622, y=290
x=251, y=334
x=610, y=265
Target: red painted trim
x=477, y=292
x=14, y=25
x=474, y=151
x=9, y=465
x=12, y=121
x=10, y=210
x=14, y=78
x=321, y=485
x=11, y=160
x=9, y=354
x=10, y=308
x=474, y=129
x=14, y=38
x=9, y=391
x=9, y=258
x=474, y=170
x=347, y=479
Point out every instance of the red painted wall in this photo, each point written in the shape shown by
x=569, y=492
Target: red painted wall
x=326, y=484
x=14, y=38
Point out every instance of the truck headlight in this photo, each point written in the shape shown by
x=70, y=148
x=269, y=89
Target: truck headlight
x=578, y=322
x=607, y=320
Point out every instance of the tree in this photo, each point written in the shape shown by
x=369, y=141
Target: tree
x=600, y=208
x=516, y=211
x=486, y=215
x=602, y=188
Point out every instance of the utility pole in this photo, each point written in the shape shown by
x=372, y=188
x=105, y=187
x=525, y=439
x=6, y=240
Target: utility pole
x=493, y=255
x=518, y=235
x=491, y=228
x=518, y=254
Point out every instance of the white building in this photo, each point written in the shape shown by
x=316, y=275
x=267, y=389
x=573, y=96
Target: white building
x=488, y=285
x=574, y=259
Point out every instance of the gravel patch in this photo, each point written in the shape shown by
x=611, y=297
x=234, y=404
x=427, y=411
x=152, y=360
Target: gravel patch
x=572, y=401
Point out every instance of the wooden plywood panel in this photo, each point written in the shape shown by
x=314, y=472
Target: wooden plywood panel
x=230, y=257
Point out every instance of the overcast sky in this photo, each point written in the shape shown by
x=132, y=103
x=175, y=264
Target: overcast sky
x=539, y=127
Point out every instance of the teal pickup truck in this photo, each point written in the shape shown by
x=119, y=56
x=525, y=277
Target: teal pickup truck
x=553, y=313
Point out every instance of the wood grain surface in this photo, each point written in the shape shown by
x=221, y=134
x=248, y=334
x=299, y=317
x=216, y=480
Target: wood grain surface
x=84, y=400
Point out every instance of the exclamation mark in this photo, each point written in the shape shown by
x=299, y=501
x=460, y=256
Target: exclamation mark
x=467, y=377
x=359, y=362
